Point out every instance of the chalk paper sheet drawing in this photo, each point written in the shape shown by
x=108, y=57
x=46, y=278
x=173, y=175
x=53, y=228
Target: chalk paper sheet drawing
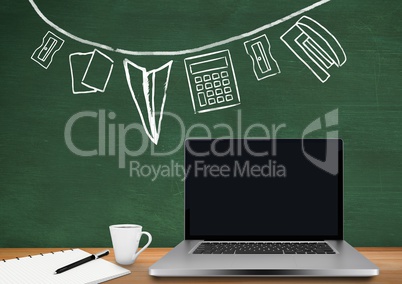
x=315, y=46
x=259, y=50
x=78, y=65
x=149, y=91
x=212, y=81
x=90, y=71
x=43, y=55
x=98, y=71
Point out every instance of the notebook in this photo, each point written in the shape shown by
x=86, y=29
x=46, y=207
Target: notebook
x=40, y=269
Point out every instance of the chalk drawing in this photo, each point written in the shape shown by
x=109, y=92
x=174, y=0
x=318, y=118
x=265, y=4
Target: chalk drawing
x=90, y=71
x=78, y=64
x=178, y=52
x=315, y=46
x=149, y=94
x=212, y=81
x=43, y=55
x=264, y=65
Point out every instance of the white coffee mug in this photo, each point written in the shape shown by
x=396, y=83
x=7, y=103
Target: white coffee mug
x=125, y=239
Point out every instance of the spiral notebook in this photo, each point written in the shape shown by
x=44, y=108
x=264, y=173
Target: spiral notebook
x=40, y=269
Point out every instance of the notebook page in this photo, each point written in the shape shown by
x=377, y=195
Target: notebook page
x=40, y=269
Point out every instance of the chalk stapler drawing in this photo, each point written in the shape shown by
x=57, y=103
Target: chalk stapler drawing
x=148, y=90
x=315, y=46
x=43, y=55
x=264, y=65
x=212, y=81
x=176, y=52
x=90, y=71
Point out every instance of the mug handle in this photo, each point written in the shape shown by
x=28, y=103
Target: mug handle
x=144, y=247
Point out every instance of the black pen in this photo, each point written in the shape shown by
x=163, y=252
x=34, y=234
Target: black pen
x=82, y=261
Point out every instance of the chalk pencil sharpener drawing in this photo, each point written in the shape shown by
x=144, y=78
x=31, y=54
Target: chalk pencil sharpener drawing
x=43, y=55
x=315, y=46
x=212, y=81
x=264, y=64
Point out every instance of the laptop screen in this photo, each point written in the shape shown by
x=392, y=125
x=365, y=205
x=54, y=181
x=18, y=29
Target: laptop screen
x=261, y=189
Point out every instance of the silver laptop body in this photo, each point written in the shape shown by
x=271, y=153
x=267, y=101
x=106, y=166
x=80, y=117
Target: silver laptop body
x=263, y=193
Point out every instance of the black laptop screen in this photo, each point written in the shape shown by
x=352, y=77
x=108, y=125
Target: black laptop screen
x=284, y=189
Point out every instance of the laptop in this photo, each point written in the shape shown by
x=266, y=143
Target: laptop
x=260, y=207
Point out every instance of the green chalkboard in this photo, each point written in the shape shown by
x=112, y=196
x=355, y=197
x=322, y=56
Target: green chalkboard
x=76, y=155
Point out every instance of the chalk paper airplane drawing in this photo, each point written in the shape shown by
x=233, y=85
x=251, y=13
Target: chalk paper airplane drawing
x=90, y=71
x=212, y=81
x=264, y=65
x=315, y=46
x=43, y=55
x=149, y=90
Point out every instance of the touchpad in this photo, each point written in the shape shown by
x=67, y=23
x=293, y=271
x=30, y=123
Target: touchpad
x=258, y=261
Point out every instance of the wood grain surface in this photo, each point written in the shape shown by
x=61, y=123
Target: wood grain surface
x=389, y=260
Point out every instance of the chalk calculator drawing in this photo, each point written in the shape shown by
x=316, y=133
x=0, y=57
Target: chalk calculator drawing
x=212, y=81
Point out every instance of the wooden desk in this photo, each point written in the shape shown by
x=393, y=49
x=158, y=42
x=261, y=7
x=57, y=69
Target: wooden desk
x=389, y=260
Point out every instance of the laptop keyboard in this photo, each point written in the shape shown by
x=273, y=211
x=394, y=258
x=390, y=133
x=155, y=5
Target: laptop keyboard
x=263, y=248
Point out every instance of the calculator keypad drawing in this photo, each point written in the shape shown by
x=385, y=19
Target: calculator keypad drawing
x=212, y=81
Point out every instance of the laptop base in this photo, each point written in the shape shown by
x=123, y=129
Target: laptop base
x=347, y=262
